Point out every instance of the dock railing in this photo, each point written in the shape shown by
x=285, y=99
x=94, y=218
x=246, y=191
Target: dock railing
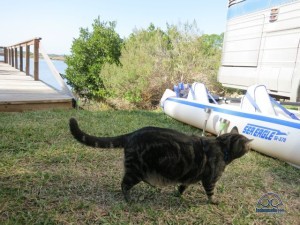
x=14, y=55
x=2, y=53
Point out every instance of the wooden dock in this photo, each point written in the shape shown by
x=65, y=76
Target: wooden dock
x=20, y=92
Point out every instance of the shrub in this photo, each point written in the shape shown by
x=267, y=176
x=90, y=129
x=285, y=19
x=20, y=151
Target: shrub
x=89, y=53
x=153, y=60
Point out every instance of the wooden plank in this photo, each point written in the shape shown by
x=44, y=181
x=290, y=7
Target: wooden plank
x=19, y=92
x=28, y=42
x=36, y=59
x=12, y=57
x=16, y=97
x=16, y=59
x=29, y=106
x=21, y=58
x=27, y=66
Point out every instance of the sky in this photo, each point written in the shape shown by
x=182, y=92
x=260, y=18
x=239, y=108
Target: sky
x=58, y=22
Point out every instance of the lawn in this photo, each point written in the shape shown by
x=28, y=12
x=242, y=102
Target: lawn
x=46, y=177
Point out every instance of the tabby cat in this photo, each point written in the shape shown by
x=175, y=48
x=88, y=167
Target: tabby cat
x=160, y=156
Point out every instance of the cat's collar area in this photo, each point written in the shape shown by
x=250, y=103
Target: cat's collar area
x=226, y=154
x=206, y=148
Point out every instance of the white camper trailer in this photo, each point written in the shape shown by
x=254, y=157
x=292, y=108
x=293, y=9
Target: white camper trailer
x=261, y=46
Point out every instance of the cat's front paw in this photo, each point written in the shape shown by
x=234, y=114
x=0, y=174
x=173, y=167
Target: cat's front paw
x=177, y=194
x=212, y=201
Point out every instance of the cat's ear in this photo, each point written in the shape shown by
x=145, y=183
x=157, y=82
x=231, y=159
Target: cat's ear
x=249, y=140
x=234, y=130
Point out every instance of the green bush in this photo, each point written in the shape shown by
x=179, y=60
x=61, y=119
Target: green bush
x=89, y=52
x=153, y=60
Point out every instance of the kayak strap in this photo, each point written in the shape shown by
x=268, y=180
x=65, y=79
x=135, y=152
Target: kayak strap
x=208, y=93
x=253, y=103
x=192, y=91
x=292, y=115
x=211, y=97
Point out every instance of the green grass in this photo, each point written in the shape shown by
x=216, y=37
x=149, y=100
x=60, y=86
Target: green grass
x=46, y=177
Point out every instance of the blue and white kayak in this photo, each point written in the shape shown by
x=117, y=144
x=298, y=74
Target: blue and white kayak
x=275, y=130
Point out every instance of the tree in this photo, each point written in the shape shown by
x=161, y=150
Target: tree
x=89, y=53
x=143, y=56
x=212, y=43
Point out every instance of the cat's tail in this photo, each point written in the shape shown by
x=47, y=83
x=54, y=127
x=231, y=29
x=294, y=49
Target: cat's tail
x=93, y=141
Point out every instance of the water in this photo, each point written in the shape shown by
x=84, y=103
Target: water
x=45, y=73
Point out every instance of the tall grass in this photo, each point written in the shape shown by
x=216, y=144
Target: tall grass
x=46, y=177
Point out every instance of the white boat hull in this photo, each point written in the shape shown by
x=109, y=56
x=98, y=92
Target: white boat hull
x=273, y=136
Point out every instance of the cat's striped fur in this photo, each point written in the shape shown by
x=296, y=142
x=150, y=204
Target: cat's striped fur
x=162, y=156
